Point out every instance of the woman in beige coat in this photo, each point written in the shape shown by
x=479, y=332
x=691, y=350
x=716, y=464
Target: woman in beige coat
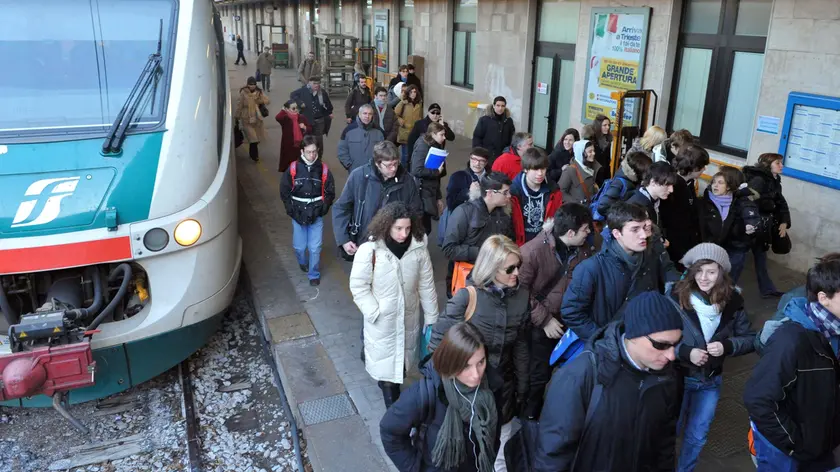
x=249, y=116
x=391, y=280
x=408, y=112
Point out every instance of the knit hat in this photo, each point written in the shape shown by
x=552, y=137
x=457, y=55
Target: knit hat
x=434, y=106
x=251, y=81
x=648, y=313
x=707, y=251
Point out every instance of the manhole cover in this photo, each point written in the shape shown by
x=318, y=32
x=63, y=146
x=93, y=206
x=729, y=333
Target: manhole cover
x=728, y=434
x=326, y=409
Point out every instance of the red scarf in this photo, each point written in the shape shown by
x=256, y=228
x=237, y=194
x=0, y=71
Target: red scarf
x=297, y=133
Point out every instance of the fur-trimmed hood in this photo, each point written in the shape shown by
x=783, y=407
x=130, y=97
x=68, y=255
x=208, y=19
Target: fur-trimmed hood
x=628, y=172
x=488, y=111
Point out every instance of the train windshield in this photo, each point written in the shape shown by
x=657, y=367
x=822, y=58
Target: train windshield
x=69, y=66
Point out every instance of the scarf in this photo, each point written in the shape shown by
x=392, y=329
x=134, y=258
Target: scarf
x=396, y=248
x=827, y=323
x=297, y=133
x=709, y=315
x=633, y=261
x=450, y=448
x=722, y=202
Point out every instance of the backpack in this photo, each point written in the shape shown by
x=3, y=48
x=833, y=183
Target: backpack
x=596, y=200
x=324, y=173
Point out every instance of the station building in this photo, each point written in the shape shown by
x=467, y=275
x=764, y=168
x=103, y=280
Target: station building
x=723, y=69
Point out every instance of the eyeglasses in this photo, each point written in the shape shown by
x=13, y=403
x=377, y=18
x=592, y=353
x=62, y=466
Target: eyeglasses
x=509, y=269
x=434, y=113
x=506, y=193
x=661, y=346
x=390, y=165
x=293, y=108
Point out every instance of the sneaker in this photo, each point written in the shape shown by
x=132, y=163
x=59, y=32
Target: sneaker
x=303, y=267
x=315, y=282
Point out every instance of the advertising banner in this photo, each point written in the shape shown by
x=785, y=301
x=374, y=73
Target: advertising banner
x=380, y=37
x=617, y=42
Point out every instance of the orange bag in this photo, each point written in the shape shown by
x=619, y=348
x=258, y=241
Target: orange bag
x=751, y=442
x=459, y=276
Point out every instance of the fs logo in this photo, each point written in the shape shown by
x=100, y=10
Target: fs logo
x=46, y=196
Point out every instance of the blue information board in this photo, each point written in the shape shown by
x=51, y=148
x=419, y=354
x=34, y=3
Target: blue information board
x=810, y=139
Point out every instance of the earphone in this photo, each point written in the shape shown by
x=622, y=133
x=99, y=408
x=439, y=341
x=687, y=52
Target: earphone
x=472, y=415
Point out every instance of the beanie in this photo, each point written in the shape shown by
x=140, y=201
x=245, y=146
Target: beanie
x=251, y=81
x=648, y=313
x=707, y=251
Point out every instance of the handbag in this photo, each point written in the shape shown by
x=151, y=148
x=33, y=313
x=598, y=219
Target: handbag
x=779, y=244
x=258, y=76
x=459, y=275
x=238, y=136
x=263, y=110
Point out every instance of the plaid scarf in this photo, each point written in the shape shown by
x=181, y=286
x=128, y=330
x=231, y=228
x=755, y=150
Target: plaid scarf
x=827, y=323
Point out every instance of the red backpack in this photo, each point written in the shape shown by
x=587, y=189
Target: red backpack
x=324, y=172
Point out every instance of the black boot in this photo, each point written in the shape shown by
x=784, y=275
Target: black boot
x=390, y=392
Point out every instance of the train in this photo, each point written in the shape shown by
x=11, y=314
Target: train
x=119, y=242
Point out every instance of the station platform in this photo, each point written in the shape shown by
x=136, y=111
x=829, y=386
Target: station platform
x=315, y=330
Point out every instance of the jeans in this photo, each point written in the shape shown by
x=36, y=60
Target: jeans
x=771, y=459
x=404, y=156
x=700, y=400
x=266, y=82
x=309, y=237
x=738, y=259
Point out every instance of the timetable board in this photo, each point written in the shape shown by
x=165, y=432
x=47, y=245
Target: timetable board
x=810, y=140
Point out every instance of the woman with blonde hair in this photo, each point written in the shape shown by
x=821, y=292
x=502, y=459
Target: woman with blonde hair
x=653, y=137
x=390, y=280
x=494, y=303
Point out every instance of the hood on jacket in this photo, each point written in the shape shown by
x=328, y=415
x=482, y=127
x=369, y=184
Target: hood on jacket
x=627, y=171
x=368, y=126
x=429, y=372
x=371, y=170
x=791, y=308
x=488, y=111
x=579, y=148
x=755, y=171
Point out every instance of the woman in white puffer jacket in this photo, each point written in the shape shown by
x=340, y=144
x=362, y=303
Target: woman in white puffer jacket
x=391, y=279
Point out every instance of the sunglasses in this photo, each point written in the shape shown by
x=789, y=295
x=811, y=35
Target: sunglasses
x=509, y=269
x=434, y=113
x=660, y=346
x=293, y=108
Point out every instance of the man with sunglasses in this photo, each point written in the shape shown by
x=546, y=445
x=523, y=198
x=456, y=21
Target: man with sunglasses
x=435, y=115
x=626, y=266
x=465, y=181
x=622, y=392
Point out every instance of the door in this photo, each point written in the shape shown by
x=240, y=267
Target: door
x=551, y=92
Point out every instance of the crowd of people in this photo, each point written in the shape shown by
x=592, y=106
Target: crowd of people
x=629, y=277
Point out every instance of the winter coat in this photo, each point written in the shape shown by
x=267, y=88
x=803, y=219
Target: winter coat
x=644, y=200
x=363, y=195
x=517, y=190
x=542, y=265
x=289, y=152
x=771, y=203
x=250, y=123
x=355, y=148
x=613, y=192
x=603, y=284
x=634, y=424
x=458, y=188
x=603, y=156
x=389, y=292
x=470, y=225
x=387, y=123
x=577, y=185
x=307, y=103
x=307, y=185
x=429, y=179
x=734, y=332
x=503, y=321
x=508, y=163
x=793, y=395
x=308, y=69
x=678, y=219
x=265, y=63
x=730, y=233
x=407, y=413
x=240, y=46
x=420, y=128
x=493, y=133
x=558, y=158
x=407, y=114
x=355, y=100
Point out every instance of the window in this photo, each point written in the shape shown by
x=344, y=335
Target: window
x=406, y=25
x=719, y=66
x=367, y=21
x=221, y=82
x=337, y=16
x=463, y=42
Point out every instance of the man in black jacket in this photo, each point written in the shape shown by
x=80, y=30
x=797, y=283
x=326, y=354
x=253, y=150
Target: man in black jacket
x=678, y=213
x=494, y=131
x=368, y=189
x=307, y=197
x=466, y=180
x=434, y=116
x=626, y=266
x=614, y=408
x=793, y=395
x=240, y=48
x=316, y=106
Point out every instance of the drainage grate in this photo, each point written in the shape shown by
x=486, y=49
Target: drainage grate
x=326, y=409
x=728, y=434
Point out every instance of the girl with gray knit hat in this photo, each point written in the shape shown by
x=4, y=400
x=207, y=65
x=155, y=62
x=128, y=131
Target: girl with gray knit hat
x=715, y=326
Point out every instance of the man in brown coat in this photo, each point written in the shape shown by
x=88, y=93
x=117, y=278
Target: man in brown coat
x=547, y=264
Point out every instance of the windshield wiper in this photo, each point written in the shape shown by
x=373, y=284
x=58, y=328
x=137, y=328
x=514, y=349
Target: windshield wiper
x=116, y=134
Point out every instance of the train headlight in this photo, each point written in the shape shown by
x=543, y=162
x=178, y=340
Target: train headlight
x=156, y=239
x=187, y=232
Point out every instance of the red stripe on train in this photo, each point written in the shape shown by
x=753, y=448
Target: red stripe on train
x=61, y=256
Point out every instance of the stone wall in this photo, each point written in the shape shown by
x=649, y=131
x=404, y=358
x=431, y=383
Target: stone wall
x=802, y=56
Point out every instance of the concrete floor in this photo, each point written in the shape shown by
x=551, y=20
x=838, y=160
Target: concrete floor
x=316, y=331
